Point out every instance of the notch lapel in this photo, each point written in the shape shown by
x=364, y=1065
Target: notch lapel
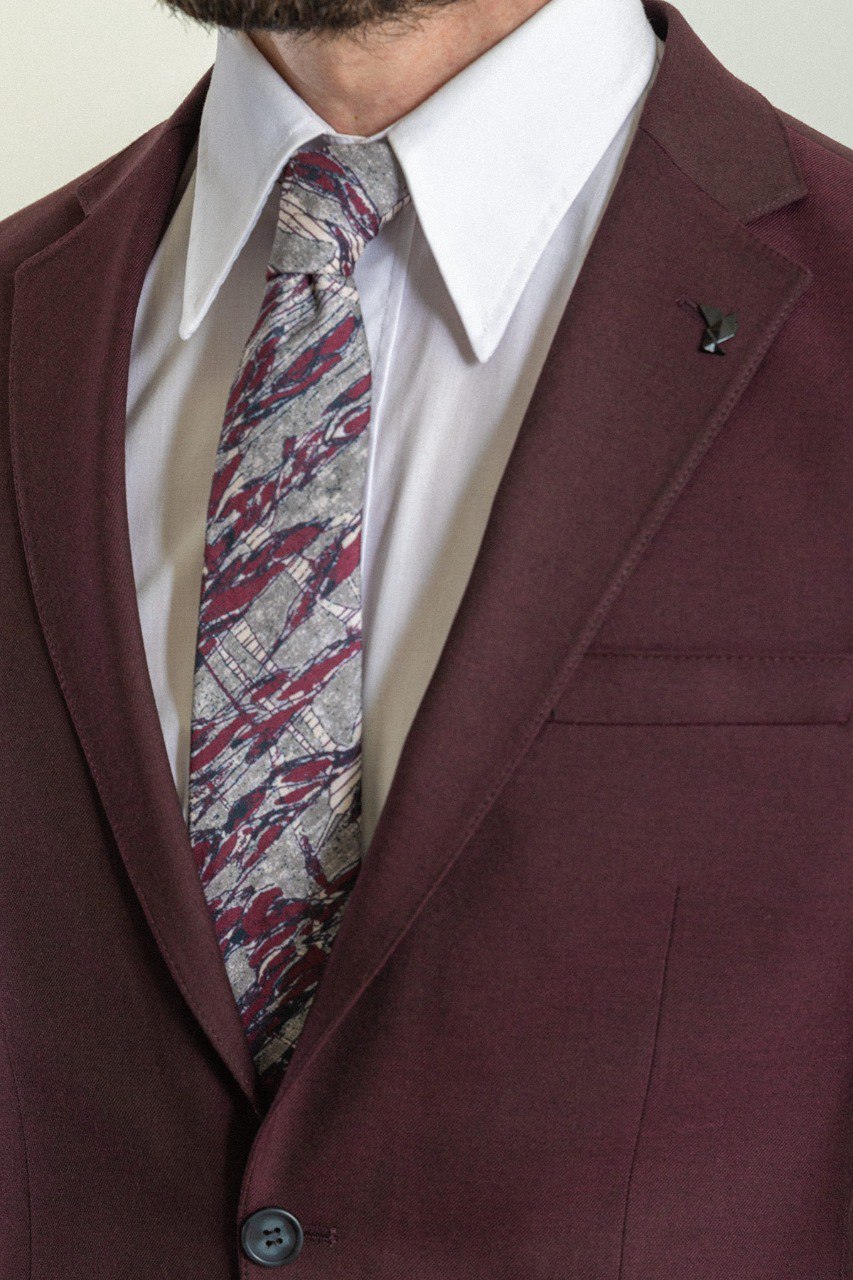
x=74, y=308
x=625, y=409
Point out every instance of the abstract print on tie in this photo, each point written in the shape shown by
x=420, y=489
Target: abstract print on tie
x=275, y=751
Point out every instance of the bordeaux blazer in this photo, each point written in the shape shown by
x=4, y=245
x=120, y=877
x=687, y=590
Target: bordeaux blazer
x=589, y=1015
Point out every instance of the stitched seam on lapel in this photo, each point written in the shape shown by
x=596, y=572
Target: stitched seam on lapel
x=796, y=192
x=786, y=197
x=41, y=593
x=35, y=260
x=177, y=972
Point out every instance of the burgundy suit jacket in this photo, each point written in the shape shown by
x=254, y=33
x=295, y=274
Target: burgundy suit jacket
x=589, y=1015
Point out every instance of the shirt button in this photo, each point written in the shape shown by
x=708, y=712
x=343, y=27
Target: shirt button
x=270, y=1237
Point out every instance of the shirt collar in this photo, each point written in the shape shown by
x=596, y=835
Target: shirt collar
x=493, y=159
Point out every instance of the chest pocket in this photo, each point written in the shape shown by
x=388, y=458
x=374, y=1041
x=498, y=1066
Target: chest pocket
x=611, y=687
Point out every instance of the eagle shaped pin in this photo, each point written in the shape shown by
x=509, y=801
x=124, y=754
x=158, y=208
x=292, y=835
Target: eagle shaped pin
x=719, y=328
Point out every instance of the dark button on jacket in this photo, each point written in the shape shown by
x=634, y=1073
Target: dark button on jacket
x=271, y=1237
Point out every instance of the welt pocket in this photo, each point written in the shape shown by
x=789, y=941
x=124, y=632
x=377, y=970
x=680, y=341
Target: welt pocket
x=649, y=687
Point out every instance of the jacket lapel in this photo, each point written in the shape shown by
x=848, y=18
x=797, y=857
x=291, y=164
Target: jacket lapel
x=73, y=314
x=625, y=409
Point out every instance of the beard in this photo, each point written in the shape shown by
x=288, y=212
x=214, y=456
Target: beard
x=307, y=17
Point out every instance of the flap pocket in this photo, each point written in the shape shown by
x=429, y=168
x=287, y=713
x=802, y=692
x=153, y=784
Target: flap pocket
x=611, y=687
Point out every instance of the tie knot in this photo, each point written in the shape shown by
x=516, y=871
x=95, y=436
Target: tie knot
x=335, y=196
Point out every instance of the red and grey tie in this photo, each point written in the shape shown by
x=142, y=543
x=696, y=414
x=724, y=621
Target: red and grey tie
x=275, y=751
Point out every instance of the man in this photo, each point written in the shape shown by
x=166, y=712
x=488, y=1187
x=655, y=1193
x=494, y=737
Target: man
x=428, y=663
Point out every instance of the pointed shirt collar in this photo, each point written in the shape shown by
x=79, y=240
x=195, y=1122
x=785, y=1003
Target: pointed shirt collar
x=493, y=159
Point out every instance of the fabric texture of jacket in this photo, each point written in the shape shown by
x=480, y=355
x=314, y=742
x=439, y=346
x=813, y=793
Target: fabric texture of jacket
x=589, y=1015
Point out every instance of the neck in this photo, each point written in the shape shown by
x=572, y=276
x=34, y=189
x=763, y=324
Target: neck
x=360, y=85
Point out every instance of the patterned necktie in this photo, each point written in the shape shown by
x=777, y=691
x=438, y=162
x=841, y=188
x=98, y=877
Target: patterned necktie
x=275, y=749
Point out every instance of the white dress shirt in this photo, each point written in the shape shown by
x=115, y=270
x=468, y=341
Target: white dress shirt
x=510, y=165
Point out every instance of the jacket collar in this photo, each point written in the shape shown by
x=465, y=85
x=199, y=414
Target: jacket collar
x=603, y=453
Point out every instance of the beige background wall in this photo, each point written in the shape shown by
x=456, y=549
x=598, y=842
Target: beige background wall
x=89, y=75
